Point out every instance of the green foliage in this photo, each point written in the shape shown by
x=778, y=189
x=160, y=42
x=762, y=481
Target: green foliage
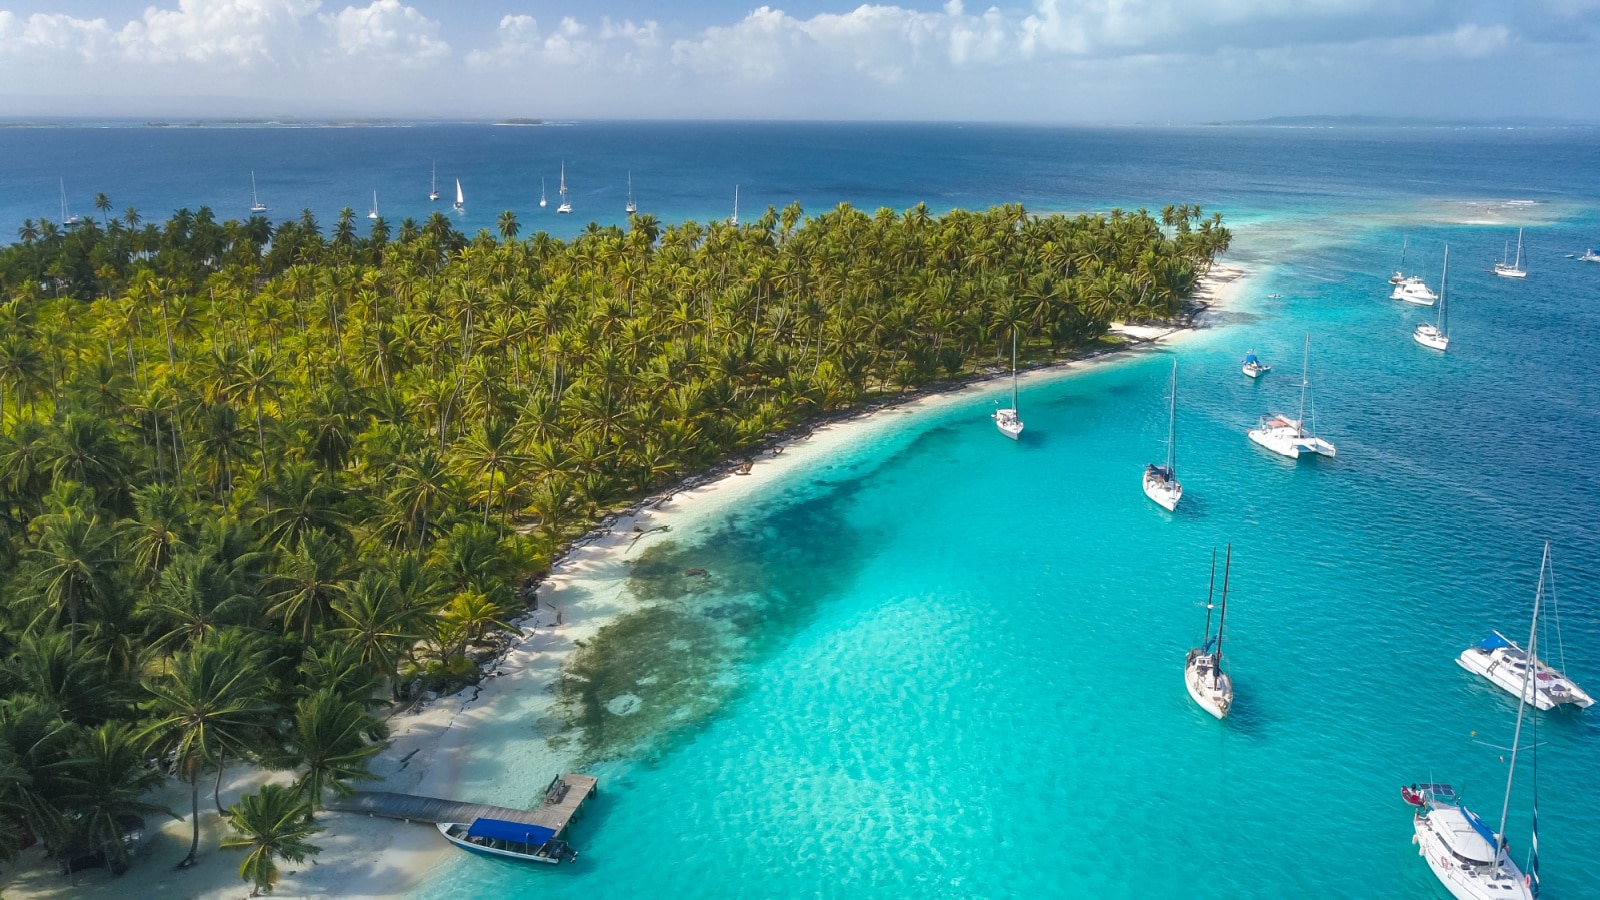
x=273, y=824
x=252, y=477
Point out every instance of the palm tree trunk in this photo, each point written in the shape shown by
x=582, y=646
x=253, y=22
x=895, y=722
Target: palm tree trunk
x=194, y=808
x=216, y=794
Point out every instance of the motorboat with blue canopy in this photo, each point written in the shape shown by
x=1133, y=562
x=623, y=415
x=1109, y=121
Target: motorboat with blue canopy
x=508, y=840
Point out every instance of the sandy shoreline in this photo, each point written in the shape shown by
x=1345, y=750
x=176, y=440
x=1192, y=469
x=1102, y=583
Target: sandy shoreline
x=485, y=744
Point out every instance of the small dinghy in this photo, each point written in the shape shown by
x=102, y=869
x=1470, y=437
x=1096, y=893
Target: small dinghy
x=1420, y=795
x=1253, y=366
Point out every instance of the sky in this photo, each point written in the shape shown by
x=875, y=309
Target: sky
x=1066, y=61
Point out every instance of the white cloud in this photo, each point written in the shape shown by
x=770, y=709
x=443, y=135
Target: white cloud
x=520, y=42
x=226, y=33
x=52, y=36
x=387, y=31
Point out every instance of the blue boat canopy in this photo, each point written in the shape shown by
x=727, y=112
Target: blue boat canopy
x=1493, y=642
x=516, y=832
x=1251, y=358
x=1483, y=830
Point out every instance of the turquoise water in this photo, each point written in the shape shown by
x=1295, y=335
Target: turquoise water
x=955, y=662
x=969, y=678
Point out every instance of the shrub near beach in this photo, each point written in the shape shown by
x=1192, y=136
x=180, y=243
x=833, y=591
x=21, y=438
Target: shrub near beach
x=258, y=482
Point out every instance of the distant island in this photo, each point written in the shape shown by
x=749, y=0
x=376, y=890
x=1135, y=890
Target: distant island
x=520, y=122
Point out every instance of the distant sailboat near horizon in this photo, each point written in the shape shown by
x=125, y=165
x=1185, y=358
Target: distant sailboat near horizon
x=256, y=206
x=433, y=192
x=1008, y=420
x=565, y=207
x=1289, y=437
x=1436, y=335
x=1208, y=685
x=542, y=201
x=461, y=199
x=735, y=219
x=632, y=207
x=1515, y=269
x=67, y=218
x=374, y=213
x=1161, y=482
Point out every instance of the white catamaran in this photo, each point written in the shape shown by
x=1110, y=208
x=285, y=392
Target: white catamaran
x=433, y=192
x=1514, y=270
x=1202, y=668
x=1506, y=665
x=564, y=206
x=1161, y=482
x=256, y=206
x=1287, y=436
x=1470, y=860
x=1007, y=420
x=1436, y=335
x=461, y=199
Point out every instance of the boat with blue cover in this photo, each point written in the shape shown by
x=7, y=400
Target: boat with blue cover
x=509, y=840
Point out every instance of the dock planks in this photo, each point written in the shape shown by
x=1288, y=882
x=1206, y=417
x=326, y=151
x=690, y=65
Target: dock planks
x=563, y=800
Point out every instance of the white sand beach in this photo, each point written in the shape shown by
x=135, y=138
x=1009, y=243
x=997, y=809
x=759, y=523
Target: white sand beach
x=487, y=744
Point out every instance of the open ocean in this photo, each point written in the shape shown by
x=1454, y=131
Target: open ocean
x=961, y=669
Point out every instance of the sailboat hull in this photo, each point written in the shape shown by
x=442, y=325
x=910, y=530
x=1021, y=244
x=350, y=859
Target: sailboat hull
x=1008, y=423
x=1504, y=882
x=1164, y=492
x=1429, y=336
x=1214, y=695
x=1505, y=271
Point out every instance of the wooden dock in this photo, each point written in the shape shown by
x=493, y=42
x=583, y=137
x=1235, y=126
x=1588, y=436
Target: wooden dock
x=563, y=800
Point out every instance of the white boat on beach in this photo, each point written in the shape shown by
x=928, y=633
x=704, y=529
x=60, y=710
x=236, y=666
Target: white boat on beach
x=1253, y=366
x=1514, y=270
x=1472, y=861
x=1008, y=420
x=515, y=841
x=1289, y=437
x=564, y=206
x=433, y=192
x=1161, y=482
x=1436, y=335
x=1211, y=687
x=374, y=213
x=1506, y=665
x=461, y=199
x=256, y=206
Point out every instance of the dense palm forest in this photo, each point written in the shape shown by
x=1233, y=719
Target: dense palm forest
x=258, y=482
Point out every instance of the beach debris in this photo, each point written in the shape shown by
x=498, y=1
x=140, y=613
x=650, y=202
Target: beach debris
x=744, y=468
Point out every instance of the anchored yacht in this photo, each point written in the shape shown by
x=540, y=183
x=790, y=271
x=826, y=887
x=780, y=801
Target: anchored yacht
x=1289, y=437
x=1008, y=420
x=1202, y=667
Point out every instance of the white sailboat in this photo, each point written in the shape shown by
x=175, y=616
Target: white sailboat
x=735, y=219
x=1289, y=437
x=1515, y=269
x=565, y=207
x=433, y=192
x=1161, y=482
x=632, y=207
x=1211, y=687
x=1589, y=256
x=374, y=213
x=67, y=218
x=1400, y=273
x=1436, y=335
x=1506, y=665
x=461, y=199
x=1253, y=366
x=1471, y=861
x=256, y=206
x=1007, y=420
x=542, y=201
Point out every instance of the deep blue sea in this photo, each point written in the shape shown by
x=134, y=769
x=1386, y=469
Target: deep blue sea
x=967, y=681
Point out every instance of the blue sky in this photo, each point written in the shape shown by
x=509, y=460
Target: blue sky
x=1030, y=60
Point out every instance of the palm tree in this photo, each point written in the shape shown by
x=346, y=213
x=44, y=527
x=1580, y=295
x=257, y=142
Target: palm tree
x=108, y=782
x=378, y=624
x=507, y=225
x=273, y=824
x=103, y=204
x=330, y=741
x=74, y=558
x=316, y=576
x=210, y=703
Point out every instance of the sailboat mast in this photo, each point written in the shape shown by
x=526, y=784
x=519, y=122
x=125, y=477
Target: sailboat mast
x=1305, y=369
x=1403, y=242
x=1172, y=426
x=1013, y=369
x=1222, y=616
x=1444, y=278
x=1211, y=592
x=1522, y=696
x=1518, y=264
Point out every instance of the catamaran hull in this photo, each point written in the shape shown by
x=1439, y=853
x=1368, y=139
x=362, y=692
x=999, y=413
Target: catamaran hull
x=1496, y=667
x=1464, y=882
